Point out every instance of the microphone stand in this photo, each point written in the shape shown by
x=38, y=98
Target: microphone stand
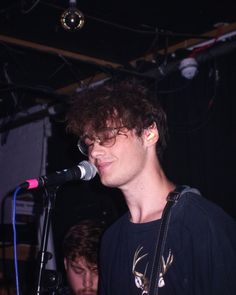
x=44, y=256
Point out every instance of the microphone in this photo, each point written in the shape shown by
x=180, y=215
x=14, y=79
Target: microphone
x=84, y=170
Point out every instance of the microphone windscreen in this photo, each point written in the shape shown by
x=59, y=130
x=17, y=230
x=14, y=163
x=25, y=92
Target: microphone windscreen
x=90, y=170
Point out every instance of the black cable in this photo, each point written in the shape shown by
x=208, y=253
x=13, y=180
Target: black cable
x=155, y=31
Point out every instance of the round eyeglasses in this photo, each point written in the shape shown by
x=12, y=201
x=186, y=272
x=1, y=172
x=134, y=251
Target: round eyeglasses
x=104, y=137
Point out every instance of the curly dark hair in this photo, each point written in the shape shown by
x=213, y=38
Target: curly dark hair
x=122, y=103
x=83, y=240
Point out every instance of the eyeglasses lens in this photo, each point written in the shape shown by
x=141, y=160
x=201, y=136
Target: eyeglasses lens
x=106, y=137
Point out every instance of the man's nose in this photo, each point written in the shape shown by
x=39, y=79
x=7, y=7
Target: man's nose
x=96, y=150
x=88, y=280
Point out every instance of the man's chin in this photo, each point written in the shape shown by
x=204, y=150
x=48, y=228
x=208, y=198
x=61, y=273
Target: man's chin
x=86, y=293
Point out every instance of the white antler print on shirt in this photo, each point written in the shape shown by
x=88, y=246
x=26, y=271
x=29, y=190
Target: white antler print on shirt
x=164, y=268
x=141, y=280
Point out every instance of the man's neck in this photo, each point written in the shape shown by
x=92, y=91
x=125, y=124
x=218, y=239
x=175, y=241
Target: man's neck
x=146, y=198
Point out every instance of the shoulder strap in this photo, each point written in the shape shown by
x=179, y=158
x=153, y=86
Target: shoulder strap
x=172, y=198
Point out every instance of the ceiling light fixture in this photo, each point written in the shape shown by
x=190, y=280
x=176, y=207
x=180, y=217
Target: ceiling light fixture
x=188, y=67
x=72, y=19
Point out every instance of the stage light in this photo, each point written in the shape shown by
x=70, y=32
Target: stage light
x=72, y=19
x=188, y=67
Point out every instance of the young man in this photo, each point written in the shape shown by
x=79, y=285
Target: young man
x=123, y=132
x=80, y=249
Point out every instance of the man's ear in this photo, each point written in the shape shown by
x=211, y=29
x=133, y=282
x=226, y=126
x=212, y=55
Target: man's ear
x=151, y=134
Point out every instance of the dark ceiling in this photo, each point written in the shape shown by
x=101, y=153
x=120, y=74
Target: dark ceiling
x=39, y=57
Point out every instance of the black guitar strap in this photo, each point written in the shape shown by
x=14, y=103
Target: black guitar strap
x=172, y=199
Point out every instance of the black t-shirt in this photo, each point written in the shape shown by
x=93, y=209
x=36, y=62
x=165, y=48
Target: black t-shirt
x=199, y=256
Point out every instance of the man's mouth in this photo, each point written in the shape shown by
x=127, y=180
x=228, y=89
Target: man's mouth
x=103, y=166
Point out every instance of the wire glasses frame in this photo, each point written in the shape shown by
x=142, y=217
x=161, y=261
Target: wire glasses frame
x=105, y=137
